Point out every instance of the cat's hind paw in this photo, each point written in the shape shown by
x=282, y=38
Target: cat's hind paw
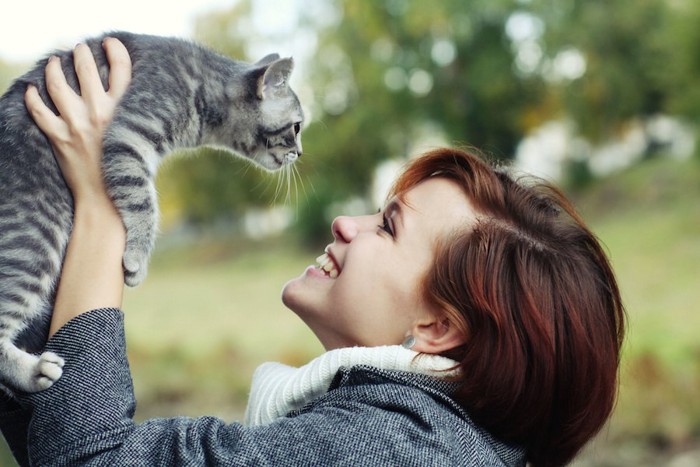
x=49, y=369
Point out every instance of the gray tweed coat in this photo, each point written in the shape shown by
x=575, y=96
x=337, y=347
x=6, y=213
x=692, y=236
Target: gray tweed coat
x=367, y=417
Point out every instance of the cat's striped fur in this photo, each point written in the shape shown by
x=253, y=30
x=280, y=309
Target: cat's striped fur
x=181, y=95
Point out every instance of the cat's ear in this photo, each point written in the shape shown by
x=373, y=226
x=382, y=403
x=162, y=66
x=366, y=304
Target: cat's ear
x=267, y=59
x=275, y=79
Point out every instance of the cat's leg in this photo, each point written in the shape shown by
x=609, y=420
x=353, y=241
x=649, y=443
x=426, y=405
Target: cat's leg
x=27, y=372
x=30, y=263
x=130, y=158
x=135, y=197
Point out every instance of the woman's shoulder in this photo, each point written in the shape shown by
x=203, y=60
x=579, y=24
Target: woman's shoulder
x=400, y=407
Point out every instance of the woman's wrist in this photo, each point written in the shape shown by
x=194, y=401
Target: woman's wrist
x=99, y=216
x=102, y=225
x=96, y=205
x=92, y=274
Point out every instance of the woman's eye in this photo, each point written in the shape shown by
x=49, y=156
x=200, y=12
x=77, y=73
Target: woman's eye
x=386, y=227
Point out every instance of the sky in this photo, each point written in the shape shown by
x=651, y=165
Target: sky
x=31, y=28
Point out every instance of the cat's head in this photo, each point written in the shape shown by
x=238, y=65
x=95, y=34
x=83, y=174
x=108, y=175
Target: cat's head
x=268, y=114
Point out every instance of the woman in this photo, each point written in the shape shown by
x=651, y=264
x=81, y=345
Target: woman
x=473, y=321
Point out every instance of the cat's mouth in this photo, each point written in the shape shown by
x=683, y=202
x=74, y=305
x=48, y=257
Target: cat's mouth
x=289, y=158
x=327, y=264
x=277, y=162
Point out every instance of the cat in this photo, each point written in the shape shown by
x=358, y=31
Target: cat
x=181, y=95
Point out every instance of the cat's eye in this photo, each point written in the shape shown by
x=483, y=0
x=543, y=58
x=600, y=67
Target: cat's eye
x=297, y=128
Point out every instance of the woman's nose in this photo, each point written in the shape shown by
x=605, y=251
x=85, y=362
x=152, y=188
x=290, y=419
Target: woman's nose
x=344, y=228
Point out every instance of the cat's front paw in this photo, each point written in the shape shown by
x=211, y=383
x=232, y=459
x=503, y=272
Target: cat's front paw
x=49, y=369
x=135, y=268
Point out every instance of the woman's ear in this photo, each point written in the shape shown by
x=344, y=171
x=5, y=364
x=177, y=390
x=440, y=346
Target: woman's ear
x=437, y=335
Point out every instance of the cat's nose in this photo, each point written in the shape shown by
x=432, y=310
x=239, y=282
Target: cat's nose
x=300, y=151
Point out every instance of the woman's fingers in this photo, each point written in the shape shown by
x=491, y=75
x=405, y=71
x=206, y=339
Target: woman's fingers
x=88, y=77
x=61, y=93
x=120, y=67
x=82, y=117
x=44, y=117
x=95, y=101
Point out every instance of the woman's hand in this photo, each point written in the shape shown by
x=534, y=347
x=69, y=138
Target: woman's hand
x=92, y=275
x=76, y=134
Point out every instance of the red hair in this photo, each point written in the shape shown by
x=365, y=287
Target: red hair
x=533, y=291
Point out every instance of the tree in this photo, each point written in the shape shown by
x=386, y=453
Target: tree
x=627, y=53
x=678, y=65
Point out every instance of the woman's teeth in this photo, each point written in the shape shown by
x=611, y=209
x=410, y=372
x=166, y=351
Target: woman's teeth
x=327, y=265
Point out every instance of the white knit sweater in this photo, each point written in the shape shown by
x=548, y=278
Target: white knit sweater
x=278, y=389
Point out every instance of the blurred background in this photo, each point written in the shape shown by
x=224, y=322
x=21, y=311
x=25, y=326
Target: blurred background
x=601, y=97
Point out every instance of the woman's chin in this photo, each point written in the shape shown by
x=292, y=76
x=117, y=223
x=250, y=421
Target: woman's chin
x=294, y=292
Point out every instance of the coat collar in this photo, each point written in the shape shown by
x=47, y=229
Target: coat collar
x=278, y=389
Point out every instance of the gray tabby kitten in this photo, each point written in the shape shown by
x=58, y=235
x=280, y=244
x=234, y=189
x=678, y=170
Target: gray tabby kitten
x=181, y=96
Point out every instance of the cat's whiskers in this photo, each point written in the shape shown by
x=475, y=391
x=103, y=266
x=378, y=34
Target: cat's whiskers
x=280, y=183
x=297, y=180
x=296, y=177
x=303, y=187
x=288, y=182
x=287, y=177
x=290, y=179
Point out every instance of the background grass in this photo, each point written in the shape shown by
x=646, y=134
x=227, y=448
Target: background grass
x=210, y=312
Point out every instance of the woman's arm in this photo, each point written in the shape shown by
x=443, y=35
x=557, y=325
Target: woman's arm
x=92, y=275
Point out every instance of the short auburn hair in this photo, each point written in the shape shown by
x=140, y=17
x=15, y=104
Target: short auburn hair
x=533, y=291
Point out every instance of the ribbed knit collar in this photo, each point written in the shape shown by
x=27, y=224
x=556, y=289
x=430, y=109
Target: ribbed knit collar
x=277, y=389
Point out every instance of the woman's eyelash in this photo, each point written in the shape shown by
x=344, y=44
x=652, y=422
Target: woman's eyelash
x=386, y=226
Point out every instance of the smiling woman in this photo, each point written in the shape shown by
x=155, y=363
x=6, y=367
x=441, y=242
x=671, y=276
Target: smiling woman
x=473, y=321
x=502, y=277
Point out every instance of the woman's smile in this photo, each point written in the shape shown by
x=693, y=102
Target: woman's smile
x=328, y=265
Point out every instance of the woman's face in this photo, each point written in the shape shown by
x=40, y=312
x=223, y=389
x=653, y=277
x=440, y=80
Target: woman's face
x=369, y=292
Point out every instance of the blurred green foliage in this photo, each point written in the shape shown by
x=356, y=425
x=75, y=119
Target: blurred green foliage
x=640, y=59
x=679, y=69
